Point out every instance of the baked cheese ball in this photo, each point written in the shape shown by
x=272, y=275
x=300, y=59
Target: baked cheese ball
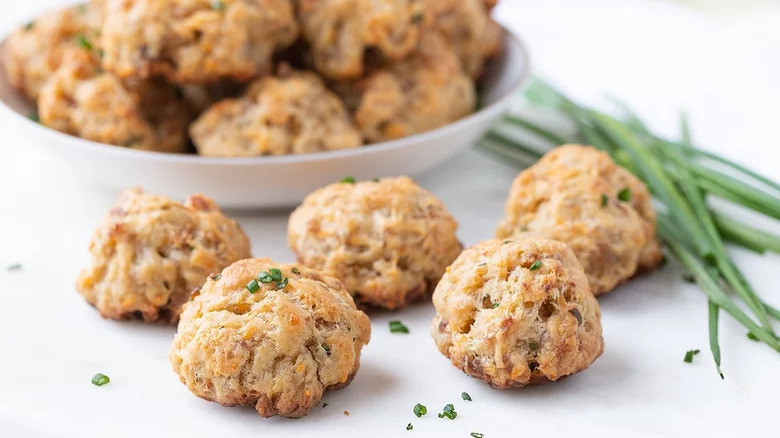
x=517, y=312
x=341, y=32
x=150, y=253
x=195, y=41
x=423, y=92
x=388, y=240
x=292, y=113
x=270, y=336
x=579, y=196
x=32, y=53
x=81, y=99
x=468, y=28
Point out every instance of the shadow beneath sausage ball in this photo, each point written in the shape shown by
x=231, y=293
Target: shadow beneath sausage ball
x=605, y=377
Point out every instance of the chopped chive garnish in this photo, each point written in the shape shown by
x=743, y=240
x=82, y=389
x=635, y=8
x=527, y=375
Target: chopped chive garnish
x=625, y=195
x=14, y=267
x=218, y=5
x=477, y=435
x=100, y=379
x=264, y=277
x=84, y=43
x=296, y=271
x=282, y=284
x=216, y=277
x=465, y=396
x=276, y=274
x=348, y=180
x=409, y=426
x=375, y=180
x=752, y=337
x=689, y=355
x=604, y=200
x=326, y=347
x=533, y=346
x=252, y=286
x=536, y=265
x=494, y=305
x=29, y=25
x=419, y=410
x=577, y=315
x=398, y=327
x=448, y=412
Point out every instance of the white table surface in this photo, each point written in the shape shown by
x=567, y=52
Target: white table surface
x=658, y=57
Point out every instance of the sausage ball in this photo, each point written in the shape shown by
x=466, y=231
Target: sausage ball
x=341, y=32
x=388, y=240
x=420, y=93
x=292, y=113
x=199, y=41
x=517, y=312
x=150, y=253
x=81, y=99
x=578, y=195
x=468, y=28
x=269, y=335
x=33, y=53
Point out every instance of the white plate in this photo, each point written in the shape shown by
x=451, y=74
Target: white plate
x=263, y=182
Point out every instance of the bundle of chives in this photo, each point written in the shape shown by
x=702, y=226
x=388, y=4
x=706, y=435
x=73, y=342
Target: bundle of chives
x=681, y=178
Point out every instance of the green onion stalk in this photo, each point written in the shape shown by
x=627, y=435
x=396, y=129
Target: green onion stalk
x=682, y=178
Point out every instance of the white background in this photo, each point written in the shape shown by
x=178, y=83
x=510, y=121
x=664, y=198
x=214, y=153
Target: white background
x=659, y=57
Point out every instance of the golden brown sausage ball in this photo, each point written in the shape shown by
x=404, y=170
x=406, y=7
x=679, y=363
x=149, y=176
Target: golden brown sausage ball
x=199, y=41
x=340, y=32
x=423, y=92
x=578, y=195
x=290, y=114
x=388, y=240
x=33, y=53
x=466, y=25
x=150, y=253
x=81, y=99
x=517, y=312
x=270, y=336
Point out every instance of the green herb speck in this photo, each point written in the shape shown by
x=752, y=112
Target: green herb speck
x=324, y=404
x=448, y=412
x=752, y=337
x=14, y=267
x=348, y=180
x=29, y=25
x=216, y=277
x=477, y=435
x=409, y=426
x=494, y=305
x=282, y=284
x=536, y=265
x=625, y=195
x=276, y=274
x=533, y=346
x=465, y=396
x=689, y=355
x=296, y=271
x=252, y=286
x=100, y=379
x=398, y=327
x=34, y=117
x=419, y=410
x=83, y=42
x=604, y=200
x=326, y=347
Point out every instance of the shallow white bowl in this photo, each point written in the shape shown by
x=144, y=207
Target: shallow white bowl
x=274, y=181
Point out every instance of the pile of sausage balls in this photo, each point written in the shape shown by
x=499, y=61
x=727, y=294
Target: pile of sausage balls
x=236, y=78
x=515, y=310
